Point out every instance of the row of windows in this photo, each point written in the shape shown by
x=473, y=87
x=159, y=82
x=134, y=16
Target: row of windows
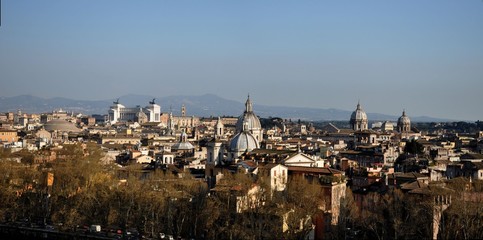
x=8, y=133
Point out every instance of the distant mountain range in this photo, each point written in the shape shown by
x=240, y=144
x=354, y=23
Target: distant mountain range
x=204, y=105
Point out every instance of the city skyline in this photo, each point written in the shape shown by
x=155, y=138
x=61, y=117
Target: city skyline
x=201, y=106
x=424, y=57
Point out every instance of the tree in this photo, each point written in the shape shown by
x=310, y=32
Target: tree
x=77, y=172
x=349, y=213
x=301, y=201
x=464, y=217
x=17, y=190
x=414, y=147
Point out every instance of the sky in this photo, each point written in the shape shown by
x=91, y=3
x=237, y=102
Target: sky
x=424, y=56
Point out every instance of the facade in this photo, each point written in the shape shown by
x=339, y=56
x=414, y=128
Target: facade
x=185, y=122
x=8, y=136
x=120, y=113
x=46, y=118
x=300, y=160
x=174, y=123
x=278, y=177
x=366, y=137
x=120, y=139
x=164, y=158
x=215, y=153
x=215, y=148
x=143, y=159
x=88, y=121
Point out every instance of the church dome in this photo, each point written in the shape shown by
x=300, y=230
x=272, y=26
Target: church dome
x=251, y=120
x=243, y=141
x=60, y=126
x=404, y=123
x=403, y=119
x=248, y=118
x=358, y=119
x=182, y=146
x=183, y=143
x=358, y=114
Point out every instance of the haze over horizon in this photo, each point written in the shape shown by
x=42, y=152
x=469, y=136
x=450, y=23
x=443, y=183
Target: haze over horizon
x=422, y=56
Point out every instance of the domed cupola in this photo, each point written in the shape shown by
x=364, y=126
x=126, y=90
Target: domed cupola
x=404, y=123
x=358, y=119
x=243, y=142
x=183, y=144
x=60, y=126
x=252, y=121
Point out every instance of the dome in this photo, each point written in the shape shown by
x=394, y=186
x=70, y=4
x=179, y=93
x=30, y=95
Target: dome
x=183, y=143
x=358, y=114
x=404, y=123
x=403, y=119
x=242, y=142
x=358, y=119
x=60, y=126
x=248, y=118
x=182, y=146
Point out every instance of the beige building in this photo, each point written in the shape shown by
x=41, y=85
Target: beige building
x=278, y=177
x=8, y=136
x=120, y=139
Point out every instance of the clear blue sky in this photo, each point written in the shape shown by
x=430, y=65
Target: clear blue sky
x=422, y=55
